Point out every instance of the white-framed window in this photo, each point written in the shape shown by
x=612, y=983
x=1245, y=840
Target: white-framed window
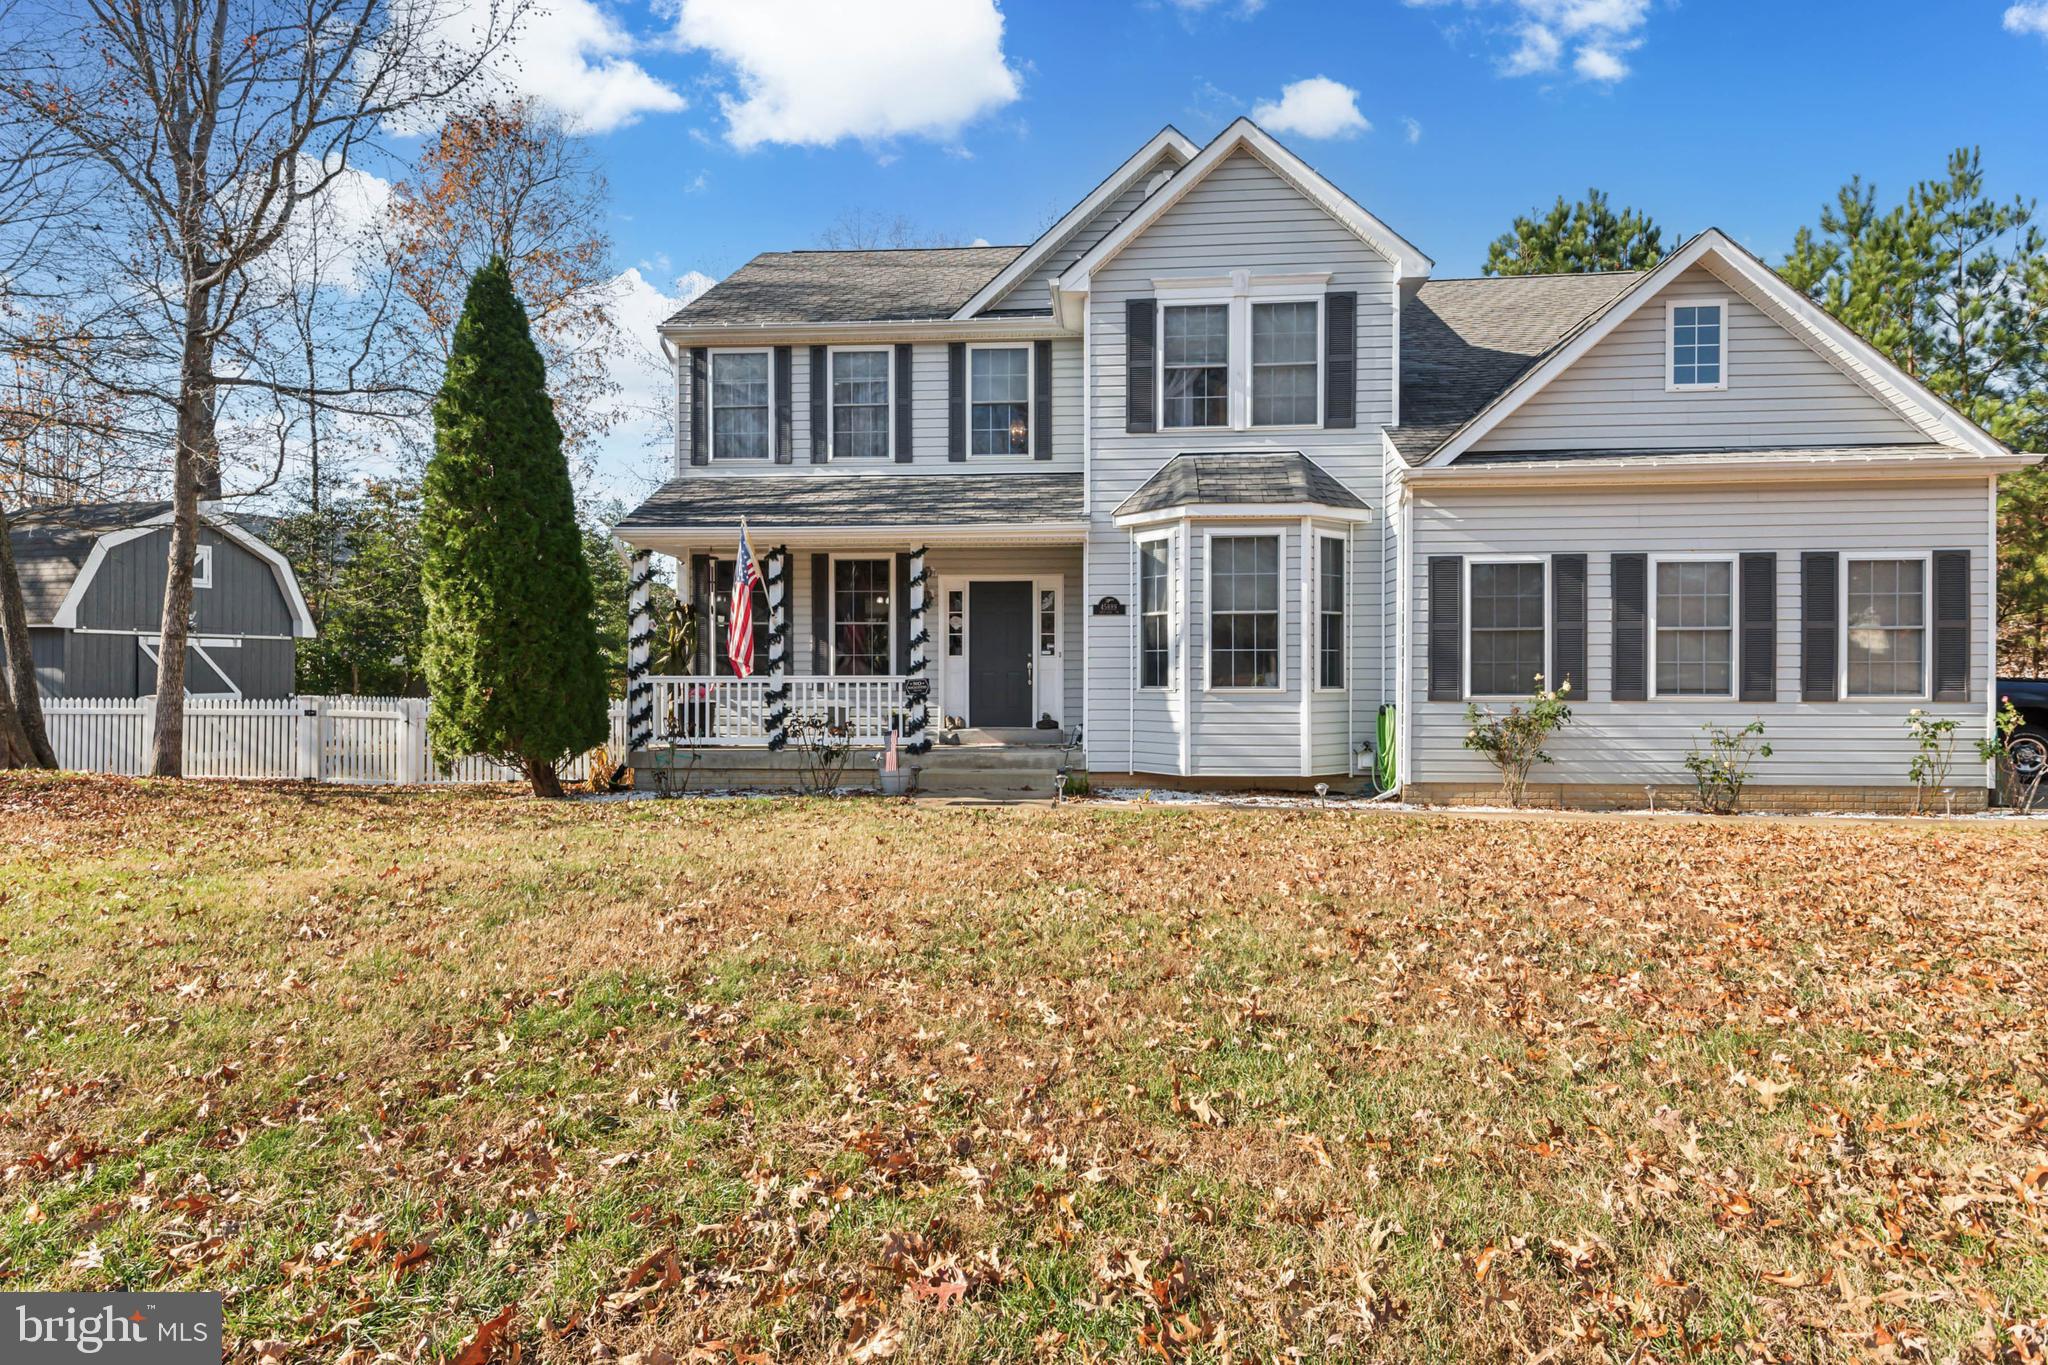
x=1048, y=622
x=1884, y=626
x=860, y=406
x=1692, y=626
x=202, y=566
x=1242, y=603
x=720, y=616
x=1696, y=344
x=1286, y=362
x=741, y=404
x=860, y=617
x=1155, y=610
x=1330, y=636
x=1507, y=625
x=956, y=624
x=1194, y=365
x=999, y=382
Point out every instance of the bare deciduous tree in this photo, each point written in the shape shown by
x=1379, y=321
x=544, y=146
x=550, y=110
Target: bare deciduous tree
x=198, y=130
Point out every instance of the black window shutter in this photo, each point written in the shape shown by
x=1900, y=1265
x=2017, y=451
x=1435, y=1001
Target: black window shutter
x=1340, y=359
x=956, y=400
x=1041, y=400
x=700, y=598
x=1820, y=576
x=1629, y=581
x=1446, y=627
x=1141, y=405
x=1951, y=625
x=785, y=420
x=900, y=632
x=700, y=368
x=1759, y=645
x=821, y=614
x=821, y=394
x=902, y=402
x=1568, y=622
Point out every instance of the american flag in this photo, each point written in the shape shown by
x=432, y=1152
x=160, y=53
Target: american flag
x=739, y=631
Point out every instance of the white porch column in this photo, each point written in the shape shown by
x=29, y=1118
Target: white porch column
x=639, y=651
x=776, y=583
x=917, y=723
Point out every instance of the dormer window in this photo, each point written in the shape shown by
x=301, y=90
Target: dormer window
x=1697, y=335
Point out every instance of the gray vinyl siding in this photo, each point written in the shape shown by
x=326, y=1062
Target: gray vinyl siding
x=1781, y=391
x=1242, y=216
x=929, y=397
x=1033, y=292
x=46, y=648
x=1247, y=731
x=128, y=591
x=1851, y=743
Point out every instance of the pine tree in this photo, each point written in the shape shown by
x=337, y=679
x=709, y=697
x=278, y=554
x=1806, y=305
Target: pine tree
x=511, y=657
x=1577, y=239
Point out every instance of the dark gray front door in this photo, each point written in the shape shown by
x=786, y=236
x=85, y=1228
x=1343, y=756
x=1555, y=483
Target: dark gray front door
x=999, y=654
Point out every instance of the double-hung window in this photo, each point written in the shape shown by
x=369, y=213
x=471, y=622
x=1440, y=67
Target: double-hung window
x=1244, y=611
x=1507, y=633
x=1884, y=605
x=1695, y=627
x=860, y=405
x=860, y=618
x=999, y=400
x=740, y=398
x=1286, y=339
x=1155, y=611
x=1697, y=334
x=1330, y=611
x=1194, y=361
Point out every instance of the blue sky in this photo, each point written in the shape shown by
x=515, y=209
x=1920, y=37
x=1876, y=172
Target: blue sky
x=734, y=126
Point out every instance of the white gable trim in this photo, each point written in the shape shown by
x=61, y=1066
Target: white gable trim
x=66, y=615
x=1407, y=259
x=1761, y=286
x=1122, y=178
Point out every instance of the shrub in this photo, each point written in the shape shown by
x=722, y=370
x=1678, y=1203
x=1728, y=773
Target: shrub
x=1722, y=769
x=1514, y=741
x=1936, y=741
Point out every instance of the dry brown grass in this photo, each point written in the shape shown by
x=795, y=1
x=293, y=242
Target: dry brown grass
x=811, y=1080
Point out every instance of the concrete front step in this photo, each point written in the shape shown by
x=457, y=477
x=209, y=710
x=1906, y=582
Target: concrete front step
x=951, y=770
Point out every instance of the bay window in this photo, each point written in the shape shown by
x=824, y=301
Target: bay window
x=1244, y=611
x=1155, y=622
x=1330, y=611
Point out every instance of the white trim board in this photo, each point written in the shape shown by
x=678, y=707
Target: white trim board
x=1053, y=238
x=1408, y=260
x=1761, y=286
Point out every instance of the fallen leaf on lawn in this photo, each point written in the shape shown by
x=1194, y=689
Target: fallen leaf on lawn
x=478, y=1351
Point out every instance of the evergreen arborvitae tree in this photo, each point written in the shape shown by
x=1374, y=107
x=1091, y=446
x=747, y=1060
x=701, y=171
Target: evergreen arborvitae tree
x=511, y=655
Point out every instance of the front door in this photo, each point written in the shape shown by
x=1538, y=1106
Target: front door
x=999, y=654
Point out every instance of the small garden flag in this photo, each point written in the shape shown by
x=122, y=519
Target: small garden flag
x=739, y=631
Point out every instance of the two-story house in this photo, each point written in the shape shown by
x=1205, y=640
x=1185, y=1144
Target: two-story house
x=1214, y=471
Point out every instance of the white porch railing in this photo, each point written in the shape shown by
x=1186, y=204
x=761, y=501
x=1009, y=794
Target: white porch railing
x=734, y=711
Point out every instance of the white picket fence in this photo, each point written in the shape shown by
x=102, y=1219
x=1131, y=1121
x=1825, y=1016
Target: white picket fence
x=324, y=739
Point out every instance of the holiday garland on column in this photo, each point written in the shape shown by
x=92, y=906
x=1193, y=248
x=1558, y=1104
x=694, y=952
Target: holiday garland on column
x=639, y=652
x=917, y=722
x=776, y=581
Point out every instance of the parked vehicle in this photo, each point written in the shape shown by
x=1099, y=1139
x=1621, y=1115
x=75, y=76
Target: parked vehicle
x=2029, y=697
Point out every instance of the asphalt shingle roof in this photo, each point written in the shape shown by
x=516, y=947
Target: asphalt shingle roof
x=847, y=286
x=795, y=501
x=51, y=544
x=1238, y=479
x=1464, y=341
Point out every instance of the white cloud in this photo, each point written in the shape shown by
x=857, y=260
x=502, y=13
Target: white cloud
x=1412, y=129
x=573, y=56
x=1317, y=107
x=1596, y=32
x=1245, y=8
x=2029, y=16
x=633, y=360
x=813, y=72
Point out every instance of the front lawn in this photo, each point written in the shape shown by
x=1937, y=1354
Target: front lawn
x=791, y=1080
